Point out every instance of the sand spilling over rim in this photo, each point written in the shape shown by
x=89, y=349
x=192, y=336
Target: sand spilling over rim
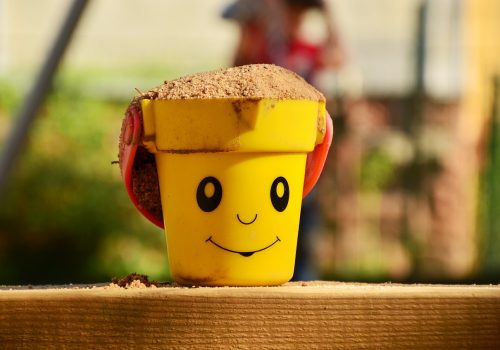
x=254, y=81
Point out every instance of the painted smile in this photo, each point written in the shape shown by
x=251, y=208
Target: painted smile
x=245, y=254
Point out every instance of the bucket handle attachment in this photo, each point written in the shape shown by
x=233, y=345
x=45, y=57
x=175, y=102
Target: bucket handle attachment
x=317, y=158
x=131, y=138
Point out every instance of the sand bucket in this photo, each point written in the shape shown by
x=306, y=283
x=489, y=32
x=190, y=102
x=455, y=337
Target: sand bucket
x=231, y=175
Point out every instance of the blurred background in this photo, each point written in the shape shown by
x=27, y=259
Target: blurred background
x=411, y=189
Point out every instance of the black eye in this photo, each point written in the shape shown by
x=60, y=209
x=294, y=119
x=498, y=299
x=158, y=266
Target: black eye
x=280, y=193
x=209, y=194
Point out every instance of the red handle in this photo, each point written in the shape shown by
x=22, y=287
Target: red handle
x=317, y=158
x=131, y=137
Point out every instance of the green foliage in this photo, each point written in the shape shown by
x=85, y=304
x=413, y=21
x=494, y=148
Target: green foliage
x=9, y=97
x=490, y=196
x=377, y=170
x=65, y=216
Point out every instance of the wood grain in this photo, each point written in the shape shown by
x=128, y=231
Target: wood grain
x=320, y=315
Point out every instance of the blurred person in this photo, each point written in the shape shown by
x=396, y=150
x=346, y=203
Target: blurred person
x=270, y=32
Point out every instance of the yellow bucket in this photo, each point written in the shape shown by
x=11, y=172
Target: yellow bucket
x=231, y=176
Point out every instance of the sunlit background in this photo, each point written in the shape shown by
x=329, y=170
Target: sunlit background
x=411, y=190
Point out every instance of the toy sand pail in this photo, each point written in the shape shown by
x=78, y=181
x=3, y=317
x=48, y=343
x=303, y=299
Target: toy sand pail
x=231, y=175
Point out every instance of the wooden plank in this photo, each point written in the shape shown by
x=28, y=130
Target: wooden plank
x=315, y=315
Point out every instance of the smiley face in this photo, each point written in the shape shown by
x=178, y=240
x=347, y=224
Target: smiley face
x=209, y=196
x=232, y=216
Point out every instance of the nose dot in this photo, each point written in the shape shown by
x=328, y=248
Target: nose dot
x=209, y=190
x=280, y=189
